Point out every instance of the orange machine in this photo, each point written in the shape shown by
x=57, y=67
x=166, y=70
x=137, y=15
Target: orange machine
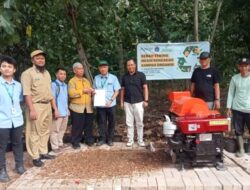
x=185, y=105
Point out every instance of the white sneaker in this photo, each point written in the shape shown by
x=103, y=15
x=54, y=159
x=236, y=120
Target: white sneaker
x=141, y=143
x=130, y=143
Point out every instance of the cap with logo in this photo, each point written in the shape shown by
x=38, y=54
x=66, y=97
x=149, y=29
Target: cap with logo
x=204, y=55
x=244, y=61
x=37, y=52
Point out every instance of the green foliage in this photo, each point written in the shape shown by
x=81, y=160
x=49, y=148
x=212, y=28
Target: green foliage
x=105, y=27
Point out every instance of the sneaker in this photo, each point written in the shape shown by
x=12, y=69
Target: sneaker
x=47, y=157
x=141, y=143
x=38, y=162
x=76, y=146
x=4, y=177
x=20, y=169
x=130, y=143
x=56, y=151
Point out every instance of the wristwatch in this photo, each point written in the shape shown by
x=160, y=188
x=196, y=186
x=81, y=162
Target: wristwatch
x=146, y=101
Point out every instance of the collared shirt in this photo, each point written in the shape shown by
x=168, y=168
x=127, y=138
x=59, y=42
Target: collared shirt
x=238, y=94
x=109, y=83
x=133, y=85
x=37, y=84
x=10, y=114
x=60, y=94
x=79, y=101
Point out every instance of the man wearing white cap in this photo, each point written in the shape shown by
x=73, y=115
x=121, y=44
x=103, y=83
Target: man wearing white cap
x=36, y=82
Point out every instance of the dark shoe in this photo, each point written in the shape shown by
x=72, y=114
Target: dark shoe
x=89, y=143
x=110, y=143
x=20, y=169
x=46, y=157
x=4, y=177
x=38, y=162
x=76, y=146
x=100, y=143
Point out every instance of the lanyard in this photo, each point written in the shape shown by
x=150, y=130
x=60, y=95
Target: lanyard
x=103, y=82
x=10, y=93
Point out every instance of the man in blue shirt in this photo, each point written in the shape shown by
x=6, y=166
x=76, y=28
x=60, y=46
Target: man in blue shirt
x=59, y=125
x=11, y=118
x=106, y=114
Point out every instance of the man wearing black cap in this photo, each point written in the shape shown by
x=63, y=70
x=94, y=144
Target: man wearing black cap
x=205, y=82
x=238, y=102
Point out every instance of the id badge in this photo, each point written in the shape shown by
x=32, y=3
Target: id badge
x=13, y=110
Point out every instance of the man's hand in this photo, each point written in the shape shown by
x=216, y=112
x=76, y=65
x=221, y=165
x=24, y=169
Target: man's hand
x=122, y=105
x=88, y=90
x=229, y=112
x=145, y=104
x=56, y=114
x=108, y=103
x=33, y=115
x=217, y=104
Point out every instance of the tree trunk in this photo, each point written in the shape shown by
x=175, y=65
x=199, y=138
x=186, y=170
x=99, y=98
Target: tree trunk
x=71, y=12
x=196, y=21
x=216, y=20
x=121, y=60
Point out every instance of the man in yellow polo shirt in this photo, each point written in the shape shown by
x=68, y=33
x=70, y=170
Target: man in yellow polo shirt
x=36, y=82
x=80, y=106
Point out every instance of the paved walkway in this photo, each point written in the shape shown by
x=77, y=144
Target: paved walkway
x=236, y=177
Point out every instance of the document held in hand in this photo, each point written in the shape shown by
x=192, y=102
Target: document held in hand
x=99, y=98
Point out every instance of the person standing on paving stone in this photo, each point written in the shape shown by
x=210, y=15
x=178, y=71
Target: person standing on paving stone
x=106, y=114
x=80, y=95
x=59, y=125
x=134, y=98
x=238, y=102
x=36, y=82
x=205, y=82
x=11, y=117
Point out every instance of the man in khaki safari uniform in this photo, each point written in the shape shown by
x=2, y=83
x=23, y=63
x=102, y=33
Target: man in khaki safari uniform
x=36, y=82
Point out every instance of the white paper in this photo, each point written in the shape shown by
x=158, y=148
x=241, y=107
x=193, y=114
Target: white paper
x=99, y=98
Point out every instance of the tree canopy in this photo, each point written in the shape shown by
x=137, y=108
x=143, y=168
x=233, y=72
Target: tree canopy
x=73, y=30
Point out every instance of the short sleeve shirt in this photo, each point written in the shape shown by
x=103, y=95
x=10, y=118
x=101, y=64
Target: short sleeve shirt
x=109, y=83
x=37, y=85
x=204, y=80
x=133, y=85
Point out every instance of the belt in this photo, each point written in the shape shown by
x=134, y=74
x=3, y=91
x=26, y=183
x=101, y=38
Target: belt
x=42, y=102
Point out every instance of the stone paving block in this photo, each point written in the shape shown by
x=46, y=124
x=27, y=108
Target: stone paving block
x=126, y=182
x=208, y=179
x=104, y=184
x=227, y=180
x=81, y=185
x=241, y=177
x=48, y=184
x=139, y=182
x=25, y=184
x=3, y=186
x=90, y=184
x=173, y=179
x=68, y=184
x=117, y=184
x=152, y=184
x=191, y=180
x=104, y=147
x=160, y=179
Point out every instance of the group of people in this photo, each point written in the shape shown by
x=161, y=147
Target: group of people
x=48, y=105
x=205, y=85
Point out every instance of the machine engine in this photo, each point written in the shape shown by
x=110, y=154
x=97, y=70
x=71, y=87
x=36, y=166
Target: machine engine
x=194, y=133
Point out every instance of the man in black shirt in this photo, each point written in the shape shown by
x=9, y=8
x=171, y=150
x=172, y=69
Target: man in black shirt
x=134, y=97
x=205, y=82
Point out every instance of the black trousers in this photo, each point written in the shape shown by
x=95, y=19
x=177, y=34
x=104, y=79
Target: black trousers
x=15, y=137
x=106, y=123
x=81, y=122
x=240, y=119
